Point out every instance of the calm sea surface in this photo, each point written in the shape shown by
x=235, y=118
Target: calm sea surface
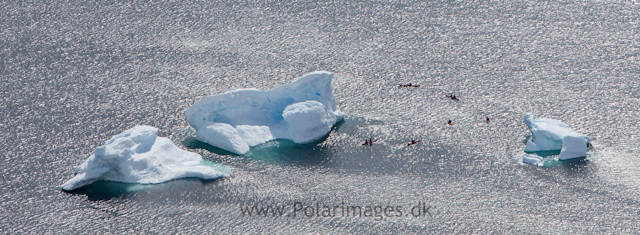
x=75, y=73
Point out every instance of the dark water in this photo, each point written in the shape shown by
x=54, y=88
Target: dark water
x=73, y=74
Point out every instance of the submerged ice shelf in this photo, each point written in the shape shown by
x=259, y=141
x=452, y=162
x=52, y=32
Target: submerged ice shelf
x=138, y=155
x=549, y=134
x=302, y=111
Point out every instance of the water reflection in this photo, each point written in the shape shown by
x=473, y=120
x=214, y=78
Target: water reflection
x=578, y=166
x=286, y=152
x=102, y=190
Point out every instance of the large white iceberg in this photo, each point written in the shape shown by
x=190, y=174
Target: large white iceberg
x=550, y=134
x=138, y=155
x=302, y=111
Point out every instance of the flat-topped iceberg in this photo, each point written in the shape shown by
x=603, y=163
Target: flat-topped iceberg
x=302, y=111
x=138, y=155
x=550, y=134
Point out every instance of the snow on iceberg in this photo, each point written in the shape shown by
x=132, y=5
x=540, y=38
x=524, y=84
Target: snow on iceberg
x=138, y=155
x=302, y=111
x=550, y=134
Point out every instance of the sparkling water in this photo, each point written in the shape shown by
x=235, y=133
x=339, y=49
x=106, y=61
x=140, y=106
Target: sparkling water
x=73, y=74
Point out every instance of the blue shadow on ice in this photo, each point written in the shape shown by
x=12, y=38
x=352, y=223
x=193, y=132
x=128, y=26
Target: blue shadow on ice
x=282, y=152
x=193, y=143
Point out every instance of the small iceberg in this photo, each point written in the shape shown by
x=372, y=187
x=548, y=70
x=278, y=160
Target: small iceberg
x=549, y=134
x=138, y=155
x=532, y=159
x=302, y=111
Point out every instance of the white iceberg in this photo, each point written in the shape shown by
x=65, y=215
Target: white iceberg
x=138, y=155
x=550, y=134
x=532, y=159
x=302, y=111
